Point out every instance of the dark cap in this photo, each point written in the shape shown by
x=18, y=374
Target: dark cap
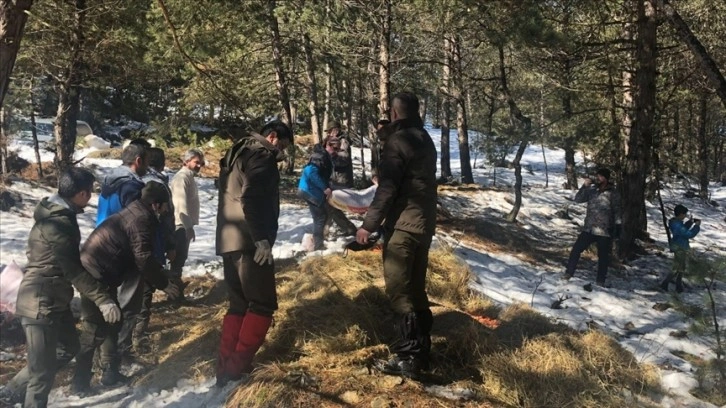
x=680, y=209
x=333, y=125
x=605, y=172
x=154, y=193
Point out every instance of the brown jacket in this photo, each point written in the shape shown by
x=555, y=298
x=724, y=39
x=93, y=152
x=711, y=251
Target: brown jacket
x=54, y=263
x=249, y=197
x=120, y=248
x=406, y=194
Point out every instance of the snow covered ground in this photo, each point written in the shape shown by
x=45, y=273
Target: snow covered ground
x=624, y=310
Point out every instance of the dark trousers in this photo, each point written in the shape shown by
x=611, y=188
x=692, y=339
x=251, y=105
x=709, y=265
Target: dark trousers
x=95, y=333
x=130, y=313
x=337, y=216
x=250, y=286
x=320, y=217
x=182, y=252
x=405, y=260
x=144, y=316
x=52, y=342
x=604, y=248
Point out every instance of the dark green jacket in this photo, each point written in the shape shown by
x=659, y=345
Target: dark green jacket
x=406, y=194
x=54, y=263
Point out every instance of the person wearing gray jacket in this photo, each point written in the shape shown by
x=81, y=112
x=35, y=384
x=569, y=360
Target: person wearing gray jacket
x=45, y=293
x=602, y=223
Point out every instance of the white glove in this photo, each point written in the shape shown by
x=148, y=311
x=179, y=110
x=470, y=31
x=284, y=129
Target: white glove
x=263, y=253
x=111, y=312
x=171, y=290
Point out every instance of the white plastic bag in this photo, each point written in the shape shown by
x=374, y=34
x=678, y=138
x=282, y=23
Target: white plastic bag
x=10, y=279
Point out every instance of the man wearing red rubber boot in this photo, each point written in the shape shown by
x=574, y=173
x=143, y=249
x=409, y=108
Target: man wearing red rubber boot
x=249, y=206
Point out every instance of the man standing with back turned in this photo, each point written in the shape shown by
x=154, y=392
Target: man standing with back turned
x=249, y=205
x=406, y=200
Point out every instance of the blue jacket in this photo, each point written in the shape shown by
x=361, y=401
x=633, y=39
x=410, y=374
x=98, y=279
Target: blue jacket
x=315, y=177
x=681, y=233
x=120, y=188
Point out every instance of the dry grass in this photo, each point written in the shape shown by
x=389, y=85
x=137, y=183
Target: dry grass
x=334, y=321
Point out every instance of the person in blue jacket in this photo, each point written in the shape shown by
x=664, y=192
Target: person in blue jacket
x=681, y=232
x=123, y=184
x=314, y=186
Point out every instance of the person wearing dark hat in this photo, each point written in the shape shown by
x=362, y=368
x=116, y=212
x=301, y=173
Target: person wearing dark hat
x=602, y=223
x=682, y=232
x=119, y=253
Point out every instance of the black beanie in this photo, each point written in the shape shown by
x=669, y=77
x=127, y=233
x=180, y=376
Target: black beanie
x=154, y=193
x=680, y=209
x=604, y=172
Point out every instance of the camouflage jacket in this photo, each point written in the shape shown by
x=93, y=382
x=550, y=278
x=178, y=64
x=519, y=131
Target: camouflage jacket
x=603, y=209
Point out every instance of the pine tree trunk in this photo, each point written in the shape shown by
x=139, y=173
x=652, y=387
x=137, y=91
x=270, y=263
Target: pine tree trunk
x=703, y=147
x=281, y=79
x=12, y=22
x=638, y=158
x=708, y=65
x=570, y=171
x=69, y=94
x=462, y=126
x=445, y=113
x=384, y=73
x=526, y=124
x=34, y=132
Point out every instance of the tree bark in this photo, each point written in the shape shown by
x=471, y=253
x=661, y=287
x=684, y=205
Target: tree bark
x=69, y=94
x=462, y=126
x=13, y=15
x=445, y=113
x=34, y=132
x=384, y=68
x=703, y=147
x=526, y=123
x=638, y=158
x=708, y=65
x=281, y=79
x=312, y=86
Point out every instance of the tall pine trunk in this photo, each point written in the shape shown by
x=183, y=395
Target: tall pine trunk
x=69, y=92
x=384, y=60
x=526, y=125
x=703, y=146
x=462, y=126
x=637, y=163
x=445, y=113
x=312, y=87
x=281, y=79
x=13, y=15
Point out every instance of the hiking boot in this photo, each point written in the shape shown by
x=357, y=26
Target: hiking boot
x=80, y=389
x=112, y=377
x=10, y=397
x=409, y=367
x=567, y=276
x=664, y=286
x=602, y=284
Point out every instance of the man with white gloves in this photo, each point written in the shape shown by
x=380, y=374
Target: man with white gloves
x=249, y=206
x=119, y=253
x=45, y=293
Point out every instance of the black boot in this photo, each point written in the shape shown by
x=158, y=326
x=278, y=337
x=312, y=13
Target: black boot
x=679, y=283
x=403, y=366
x=111, y=376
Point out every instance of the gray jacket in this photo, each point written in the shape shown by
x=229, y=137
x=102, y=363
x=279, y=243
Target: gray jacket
x=603, y=209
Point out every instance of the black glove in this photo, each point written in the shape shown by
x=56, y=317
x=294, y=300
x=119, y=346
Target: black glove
x=372, y=241
x=688, y=224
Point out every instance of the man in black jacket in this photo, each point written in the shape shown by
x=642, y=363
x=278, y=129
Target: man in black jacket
x=119, y=251
x=249, y=206
x=406, y=200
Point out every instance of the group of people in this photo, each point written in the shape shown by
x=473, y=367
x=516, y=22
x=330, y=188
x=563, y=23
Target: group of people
x=247, y=222
x=603, y=224
x=142, y=221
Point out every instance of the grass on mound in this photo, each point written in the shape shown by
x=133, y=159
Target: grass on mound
x=334, y=321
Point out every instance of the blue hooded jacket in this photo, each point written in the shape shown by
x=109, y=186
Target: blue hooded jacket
x=120, y=188
x=315, y=177
x=682, y=232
